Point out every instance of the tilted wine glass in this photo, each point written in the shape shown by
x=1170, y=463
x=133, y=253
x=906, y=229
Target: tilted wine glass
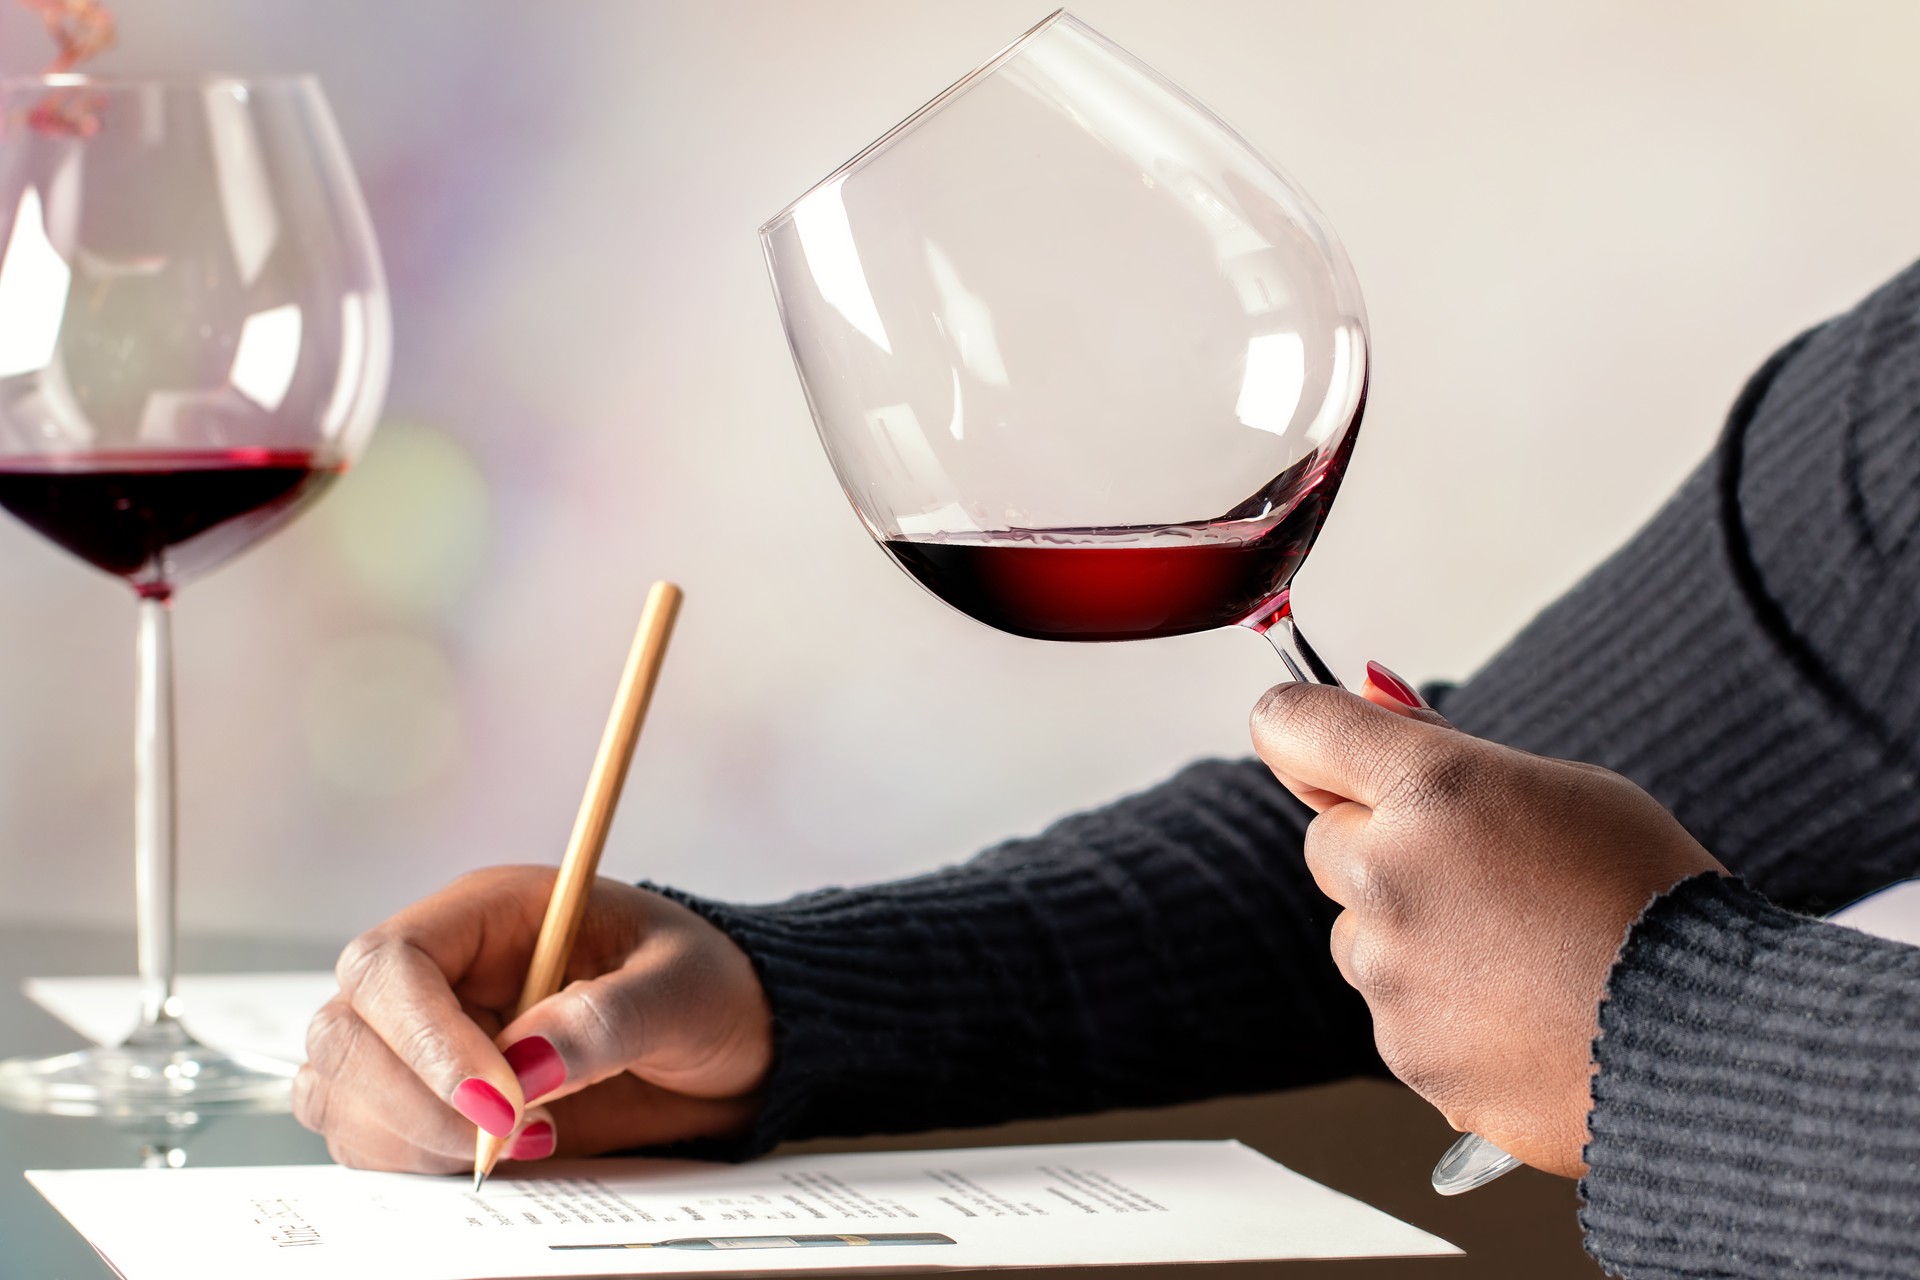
x=194, y=341
x=1087, y=365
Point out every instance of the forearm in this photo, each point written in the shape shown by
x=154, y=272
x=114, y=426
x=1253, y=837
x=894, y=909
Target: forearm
x=1684, y=662
x=1165, y=947
x=1747, y=657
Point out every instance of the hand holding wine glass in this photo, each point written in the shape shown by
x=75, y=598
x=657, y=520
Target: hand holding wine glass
x=1486, y=894
x=1088, y=366
x=194, y=342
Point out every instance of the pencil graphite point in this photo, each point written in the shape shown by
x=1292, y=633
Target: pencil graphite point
x=479, y=1178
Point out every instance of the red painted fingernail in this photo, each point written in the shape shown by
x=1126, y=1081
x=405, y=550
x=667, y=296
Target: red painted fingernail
x=1392, y=685
x=534, y=1143
x=485, y=1105
x=537, y=1065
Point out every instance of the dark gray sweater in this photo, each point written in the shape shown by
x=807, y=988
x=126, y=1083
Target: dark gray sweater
x=1749, y=658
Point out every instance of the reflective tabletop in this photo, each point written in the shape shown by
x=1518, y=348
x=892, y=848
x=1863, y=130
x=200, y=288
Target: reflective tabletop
x=1372, y=1140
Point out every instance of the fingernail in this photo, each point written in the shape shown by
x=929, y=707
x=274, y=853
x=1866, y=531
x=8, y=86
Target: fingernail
x=537, y=1065
x=1392, y=685
x=534, y=1143
x=485, y=1105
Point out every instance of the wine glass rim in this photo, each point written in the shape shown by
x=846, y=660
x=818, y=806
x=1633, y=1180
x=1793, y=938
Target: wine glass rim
x=926, y=109
x=163, y=80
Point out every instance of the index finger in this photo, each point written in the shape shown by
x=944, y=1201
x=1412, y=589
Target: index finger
x=406, y=996
x=1321, y=740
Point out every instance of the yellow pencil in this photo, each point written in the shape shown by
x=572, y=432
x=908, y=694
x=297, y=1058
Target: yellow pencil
x=582, y=861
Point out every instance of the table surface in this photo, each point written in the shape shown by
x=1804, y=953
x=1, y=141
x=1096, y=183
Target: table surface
x=1372, y=1140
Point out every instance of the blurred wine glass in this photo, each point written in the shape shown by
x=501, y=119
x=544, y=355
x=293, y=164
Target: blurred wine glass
x=1088, y=366
x=194, y=343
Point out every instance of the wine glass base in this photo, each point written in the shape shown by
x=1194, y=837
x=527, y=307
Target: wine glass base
x=176, y=1082
x=1470, y=1162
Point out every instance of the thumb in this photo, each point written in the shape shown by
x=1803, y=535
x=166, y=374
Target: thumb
x=1327, y=745
x=647, y=1017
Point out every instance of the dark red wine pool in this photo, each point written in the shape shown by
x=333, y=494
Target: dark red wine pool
x=1132, y=583
x=157, y=517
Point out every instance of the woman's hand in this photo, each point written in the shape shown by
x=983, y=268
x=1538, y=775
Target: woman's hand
x=663, y=1032
x=1487, y=892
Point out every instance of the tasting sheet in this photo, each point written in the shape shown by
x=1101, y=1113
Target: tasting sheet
x=988, y=1207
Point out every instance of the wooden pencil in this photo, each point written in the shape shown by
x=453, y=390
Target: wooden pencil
x=581, y=862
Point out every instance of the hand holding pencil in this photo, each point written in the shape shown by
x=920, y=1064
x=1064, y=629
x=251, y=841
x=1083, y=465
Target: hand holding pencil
x=661, y=1032
x=537, y=1065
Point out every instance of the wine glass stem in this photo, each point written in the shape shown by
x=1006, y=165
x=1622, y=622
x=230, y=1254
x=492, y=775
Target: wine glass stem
x=153, y=824
x=1302, y=662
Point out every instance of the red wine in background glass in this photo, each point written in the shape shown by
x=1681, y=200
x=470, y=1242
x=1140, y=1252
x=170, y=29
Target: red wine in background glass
x=1134, y=582
x=155, y=518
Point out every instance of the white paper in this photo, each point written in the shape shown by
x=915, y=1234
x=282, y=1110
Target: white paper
x=1089, y=1204
x=264, y=1013
x=1893, y=912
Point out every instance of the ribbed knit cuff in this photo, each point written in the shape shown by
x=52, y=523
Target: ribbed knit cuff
x=783, y=942
x=1757, y=1107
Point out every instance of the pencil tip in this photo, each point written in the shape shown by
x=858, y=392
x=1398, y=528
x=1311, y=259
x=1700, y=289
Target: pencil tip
x=479, y=1178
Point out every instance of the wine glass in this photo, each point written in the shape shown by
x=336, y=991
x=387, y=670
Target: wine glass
x=1088, y=366
x=194, y=343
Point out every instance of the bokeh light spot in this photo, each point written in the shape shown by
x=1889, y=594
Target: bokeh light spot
x=412, y=524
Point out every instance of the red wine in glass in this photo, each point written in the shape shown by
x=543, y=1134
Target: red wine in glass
x=1135, y=582
x=157, y=517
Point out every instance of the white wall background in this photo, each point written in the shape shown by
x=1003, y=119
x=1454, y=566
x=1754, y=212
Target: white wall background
x=1578, y=225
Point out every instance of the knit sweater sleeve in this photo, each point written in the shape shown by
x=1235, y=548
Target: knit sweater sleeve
x=1757, y=1108
x=1168, y=946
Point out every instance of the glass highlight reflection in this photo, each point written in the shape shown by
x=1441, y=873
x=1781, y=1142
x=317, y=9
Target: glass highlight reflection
x=34, y=280
x=266, y=356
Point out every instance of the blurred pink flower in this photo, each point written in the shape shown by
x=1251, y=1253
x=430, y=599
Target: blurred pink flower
x=80, y=29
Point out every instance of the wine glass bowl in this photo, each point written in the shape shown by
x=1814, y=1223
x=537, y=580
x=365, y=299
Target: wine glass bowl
x=1086, y=363
x=194, y=342
x=193, y=327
